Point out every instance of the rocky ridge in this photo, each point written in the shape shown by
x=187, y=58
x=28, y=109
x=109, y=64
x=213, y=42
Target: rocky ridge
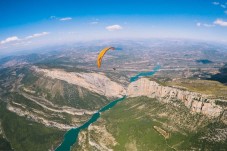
x=99, y=83
x=95, y=82
x=194, y=101
x=102, y=85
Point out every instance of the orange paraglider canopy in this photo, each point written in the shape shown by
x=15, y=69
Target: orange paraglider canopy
x=101, y=55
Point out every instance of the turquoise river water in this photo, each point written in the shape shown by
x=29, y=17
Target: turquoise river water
x=71, y=136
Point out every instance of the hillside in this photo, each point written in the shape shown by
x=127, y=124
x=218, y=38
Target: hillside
x=158, y=117
x=49, y=105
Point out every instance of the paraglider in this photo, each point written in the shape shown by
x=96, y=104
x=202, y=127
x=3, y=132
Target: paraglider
x=101, y=55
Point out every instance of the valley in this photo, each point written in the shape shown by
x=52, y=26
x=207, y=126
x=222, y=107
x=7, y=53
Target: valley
x=180, y=107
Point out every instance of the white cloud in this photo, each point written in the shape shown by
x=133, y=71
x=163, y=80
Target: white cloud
x=223, y=6
x=216, y=3
x=208, y=25
x=60, y=19
x=37, y=35
x=9, y=39
x=114, y=27
x=220, y=22
x=22, y=40
x=65, y=19
x=198, y=24
x=94, y=22
x=204, y=25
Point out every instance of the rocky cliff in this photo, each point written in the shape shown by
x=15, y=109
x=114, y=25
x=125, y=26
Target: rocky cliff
x=194, y=101
x=95, y=82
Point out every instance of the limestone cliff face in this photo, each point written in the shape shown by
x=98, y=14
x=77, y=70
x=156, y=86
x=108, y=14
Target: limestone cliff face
x=194, y=101
x=99, y=83
x=95, y=82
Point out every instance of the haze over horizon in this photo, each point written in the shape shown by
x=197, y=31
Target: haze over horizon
x=30, y=24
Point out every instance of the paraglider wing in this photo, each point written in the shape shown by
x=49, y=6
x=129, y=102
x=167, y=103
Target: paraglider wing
x=101, y=55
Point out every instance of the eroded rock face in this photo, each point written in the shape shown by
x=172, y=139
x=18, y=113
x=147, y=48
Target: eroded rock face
x=95, y=82
x=194, y=101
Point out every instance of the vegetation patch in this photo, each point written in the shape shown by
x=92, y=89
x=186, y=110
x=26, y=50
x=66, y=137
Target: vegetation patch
x=213, y=88
x=146, y=123
x=25, y=135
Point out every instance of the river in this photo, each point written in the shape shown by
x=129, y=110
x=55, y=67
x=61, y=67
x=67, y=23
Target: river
x=144, y=74
x=71, y=136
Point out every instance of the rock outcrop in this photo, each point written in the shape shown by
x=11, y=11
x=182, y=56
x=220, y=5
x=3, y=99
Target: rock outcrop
x=194, y=101
x=95, y=82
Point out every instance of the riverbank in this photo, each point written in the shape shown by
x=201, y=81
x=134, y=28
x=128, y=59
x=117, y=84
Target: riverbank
x=71, y=136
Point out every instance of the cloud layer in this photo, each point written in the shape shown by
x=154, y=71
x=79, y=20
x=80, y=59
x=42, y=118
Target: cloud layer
x=114, y=27
x=216, y=3
x=37, y=35
x=94, y=22
x=220, y=22
x=204, y=25
x=219, y=4
x=15, y=38
x=9, y=39
x=65, y=19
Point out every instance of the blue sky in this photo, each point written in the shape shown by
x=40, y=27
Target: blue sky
x=27, y=24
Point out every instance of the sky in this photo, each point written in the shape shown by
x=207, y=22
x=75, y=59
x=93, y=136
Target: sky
x=28, y=24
